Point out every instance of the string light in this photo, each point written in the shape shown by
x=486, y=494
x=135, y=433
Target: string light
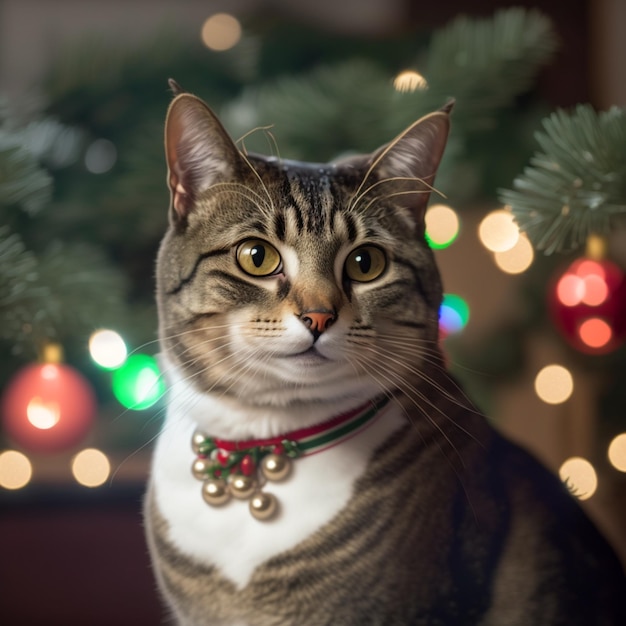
x=580, y=476
x=107, y=349
x=409, y=81
x=617, y=452
x=91, y=467
x=138, y=384
x=518, y=258
x=442, y=226
x=554, y=384
x=221, y=32
x=498, y=231
x=15, y=470
x=453, y=314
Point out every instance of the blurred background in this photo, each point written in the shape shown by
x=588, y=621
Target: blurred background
x=534, y=319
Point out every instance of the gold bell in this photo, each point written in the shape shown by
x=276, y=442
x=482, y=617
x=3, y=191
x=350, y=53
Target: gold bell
x=242, y=487
x=263, y=506
x=197, y=441
x=276, y=467
x=200, y=468
x=215, y=492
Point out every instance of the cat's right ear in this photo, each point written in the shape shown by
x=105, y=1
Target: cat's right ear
x=198, y=150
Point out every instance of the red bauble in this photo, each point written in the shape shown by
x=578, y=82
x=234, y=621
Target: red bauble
x=588, y=305
x=48, y=407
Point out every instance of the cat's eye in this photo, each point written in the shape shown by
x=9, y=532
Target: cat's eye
x=258, y=258
x=365, y=264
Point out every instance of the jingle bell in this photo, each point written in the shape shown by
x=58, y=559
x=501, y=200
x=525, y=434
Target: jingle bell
x=198, y=442
x=263, y=506
x=242, y=486
x=276, y=467
x=215, y=491
x=200, y=468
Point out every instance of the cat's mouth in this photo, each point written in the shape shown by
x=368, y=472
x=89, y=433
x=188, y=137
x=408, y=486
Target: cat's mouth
x=310, y=356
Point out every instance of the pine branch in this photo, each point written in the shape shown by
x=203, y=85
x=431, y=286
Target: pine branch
x=63, y=291
x=22, y=180
x=577, y=185
x=485, y=64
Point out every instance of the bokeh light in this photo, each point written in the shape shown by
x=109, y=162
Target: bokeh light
x=15, y=469
x=408, y=81
x=498, y=231
x=595, y=332
x=100, y=156
x=617, y=452
x=91, y=467
x=138, y=384
x=107, y=349
x=554, y=384
x=580, y=476
x=442, y=226
x=221, y=32
x=453, y=314
x=585, y=283
x=518, y=258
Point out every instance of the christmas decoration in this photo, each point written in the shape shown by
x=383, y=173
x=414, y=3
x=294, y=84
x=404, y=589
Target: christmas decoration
x=587, y=304
x=453, y=315
x=48, y=407
x=577, y=186
x=138, y=384
x=241, y=468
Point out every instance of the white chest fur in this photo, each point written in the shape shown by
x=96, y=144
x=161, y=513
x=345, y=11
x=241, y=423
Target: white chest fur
x=229, y=537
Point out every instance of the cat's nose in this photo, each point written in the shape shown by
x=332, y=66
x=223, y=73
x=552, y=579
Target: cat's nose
x=317, y=321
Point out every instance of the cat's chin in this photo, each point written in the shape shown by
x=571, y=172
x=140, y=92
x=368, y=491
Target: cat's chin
x=308, y=358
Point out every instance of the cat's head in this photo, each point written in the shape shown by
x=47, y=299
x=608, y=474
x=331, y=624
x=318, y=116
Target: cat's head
x=282, y=282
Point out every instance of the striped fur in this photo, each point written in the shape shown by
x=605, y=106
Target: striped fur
x=441, y=521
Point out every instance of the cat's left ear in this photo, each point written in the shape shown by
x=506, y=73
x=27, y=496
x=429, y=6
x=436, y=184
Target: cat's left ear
x=408, y=164
x=198, y=150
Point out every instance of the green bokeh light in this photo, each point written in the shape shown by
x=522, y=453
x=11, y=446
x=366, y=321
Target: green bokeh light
x=138, y=384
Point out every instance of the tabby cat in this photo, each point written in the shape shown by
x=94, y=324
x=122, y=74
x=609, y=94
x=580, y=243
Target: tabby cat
x=318, y=466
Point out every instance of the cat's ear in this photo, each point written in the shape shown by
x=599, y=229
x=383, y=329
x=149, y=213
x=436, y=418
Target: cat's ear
x=198, y=150
x=408, y=164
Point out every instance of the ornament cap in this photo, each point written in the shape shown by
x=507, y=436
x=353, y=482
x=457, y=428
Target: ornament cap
x=596, y=247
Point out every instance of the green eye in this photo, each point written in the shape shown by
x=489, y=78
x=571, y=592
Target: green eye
x=258, y=258
x=365, y=264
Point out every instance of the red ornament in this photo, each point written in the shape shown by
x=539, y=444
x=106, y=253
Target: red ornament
x=48, y=407
x=588, y=305
x=222, y=457
x=247, y=465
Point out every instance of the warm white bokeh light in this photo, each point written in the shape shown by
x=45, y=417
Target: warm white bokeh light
x=498, y=231
x=107, y=348
x=409, y=80
x=554, y=384
x=221, y=32
x=442, y=224
x=517, y=259
x=617, y=452
x=15, y=470
x=580, y=476
x=91, y=467
x=43, y=415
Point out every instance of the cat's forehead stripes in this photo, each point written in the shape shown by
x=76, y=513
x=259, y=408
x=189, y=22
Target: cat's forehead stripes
x=312, y=202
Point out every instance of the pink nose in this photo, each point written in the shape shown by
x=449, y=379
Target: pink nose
x=318, y=321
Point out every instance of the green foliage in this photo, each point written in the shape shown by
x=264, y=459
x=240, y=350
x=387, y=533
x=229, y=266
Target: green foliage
x=577, y=185
x=56, y=289
x=352, y=105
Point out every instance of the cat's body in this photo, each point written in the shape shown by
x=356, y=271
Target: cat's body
x=290, y=294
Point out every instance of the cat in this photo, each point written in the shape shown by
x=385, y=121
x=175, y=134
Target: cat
x=318, y=465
